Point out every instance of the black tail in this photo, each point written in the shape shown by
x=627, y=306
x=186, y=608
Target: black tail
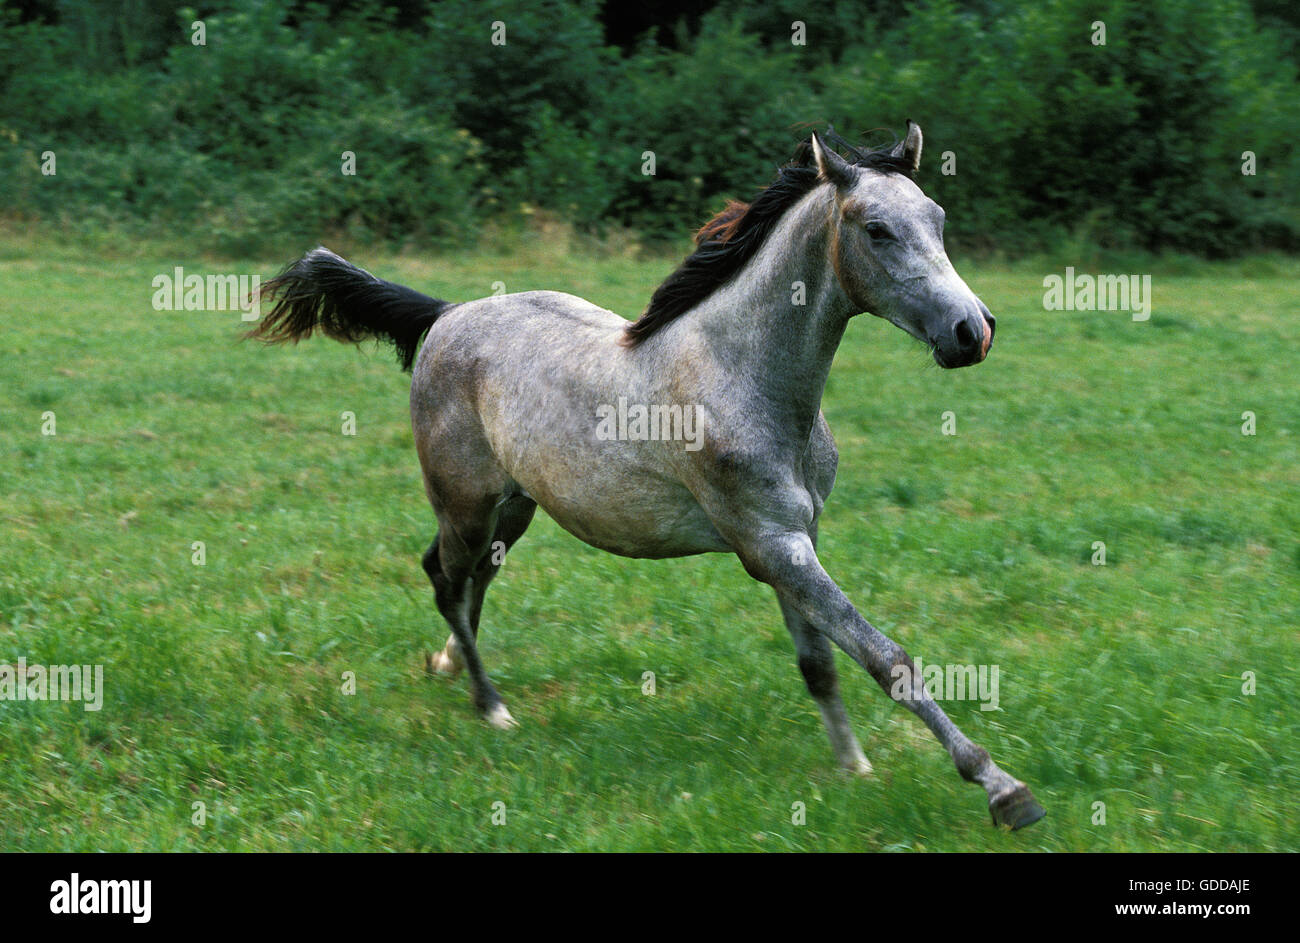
x=325, y=292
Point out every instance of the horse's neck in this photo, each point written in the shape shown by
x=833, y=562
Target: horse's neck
x=756, y=328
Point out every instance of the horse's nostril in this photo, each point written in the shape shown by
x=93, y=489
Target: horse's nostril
x=966, y=339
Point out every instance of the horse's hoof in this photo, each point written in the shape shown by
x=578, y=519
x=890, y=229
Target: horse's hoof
x=1016, y=808
x=440, y=664
x=860, y=766
x=499, y=717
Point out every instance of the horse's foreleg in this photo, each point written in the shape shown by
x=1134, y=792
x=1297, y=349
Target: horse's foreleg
x=789, y=563
x=817, y=664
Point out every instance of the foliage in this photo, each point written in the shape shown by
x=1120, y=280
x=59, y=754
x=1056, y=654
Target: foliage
x=1053, y=139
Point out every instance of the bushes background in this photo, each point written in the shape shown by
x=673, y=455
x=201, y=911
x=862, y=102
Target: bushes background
x=237, y=144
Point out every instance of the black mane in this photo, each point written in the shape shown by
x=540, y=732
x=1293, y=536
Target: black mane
x=729, y=240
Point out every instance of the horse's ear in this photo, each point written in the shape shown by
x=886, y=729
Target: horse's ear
x=830, y=166
x=909, y=149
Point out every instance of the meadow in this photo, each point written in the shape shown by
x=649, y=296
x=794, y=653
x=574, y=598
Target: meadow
x=1127, y=684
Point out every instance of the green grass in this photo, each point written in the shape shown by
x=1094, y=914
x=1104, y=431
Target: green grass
x=1120, y=684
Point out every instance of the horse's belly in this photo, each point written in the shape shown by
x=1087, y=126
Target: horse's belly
x=661, y=520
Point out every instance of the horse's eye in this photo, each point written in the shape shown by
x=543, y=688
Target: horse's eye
x=879, y=232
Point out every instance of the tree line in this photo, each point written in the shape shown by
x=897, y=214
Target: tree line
x=1156, y=125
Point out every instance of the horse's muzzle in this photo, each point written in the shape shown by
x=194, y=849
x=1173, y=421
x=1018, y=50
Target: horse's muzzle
x=968, y=341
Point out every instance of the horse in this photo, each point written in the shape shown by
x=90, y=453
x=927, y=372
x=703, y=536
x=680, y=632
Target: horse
x=512, y=398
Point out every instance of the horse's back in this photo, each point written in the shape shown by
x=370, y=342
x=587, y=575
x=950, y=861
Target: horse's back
x=527, y=313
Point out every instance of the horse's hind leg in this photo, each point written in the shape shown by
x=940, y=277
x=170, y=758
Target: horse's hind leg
x=817, y=663
x=514, y=516
x=460, y=563
x=450, y=562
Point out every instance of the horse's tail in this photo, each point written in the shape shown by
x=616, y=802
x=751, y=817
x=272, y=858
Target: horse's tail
x=323, y=291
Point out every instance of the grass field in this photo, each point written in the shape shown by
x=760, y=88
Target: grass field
x=1120, y=684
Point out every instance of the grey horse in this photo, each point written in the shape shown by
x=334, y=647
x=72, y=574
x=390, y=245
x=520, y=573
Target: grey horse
x=522, y=400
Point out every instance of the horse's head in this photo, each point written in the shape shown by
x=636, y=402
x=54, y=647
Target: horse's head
x=887, y=250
